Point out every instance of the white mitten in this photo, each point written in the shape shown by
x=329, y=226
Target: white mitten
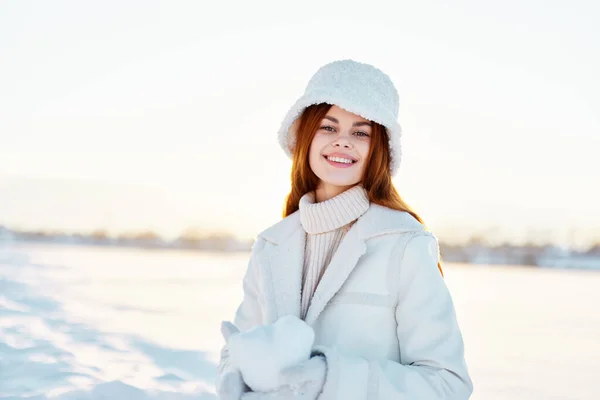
x=263, y=352
x=300, y=382
x=231, y=385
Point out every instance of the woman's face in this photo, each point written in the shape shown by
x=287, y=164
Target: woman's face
x=338, y=151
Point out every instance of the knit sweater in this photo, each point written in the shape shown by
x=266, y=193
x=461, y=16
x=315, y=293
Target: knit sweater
x=326, y=224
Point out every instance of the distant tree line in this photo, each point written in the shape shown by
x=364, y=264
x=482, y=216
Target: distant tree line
x=474, y=251
x=191, y=239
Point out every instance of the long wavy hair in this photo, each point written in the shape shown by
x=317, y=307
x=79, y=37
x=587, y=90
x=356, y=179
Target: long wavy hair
x=377, y=179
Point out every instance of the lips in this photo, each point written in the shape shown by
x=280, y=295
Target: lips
x=339, y=164
x=341, y=155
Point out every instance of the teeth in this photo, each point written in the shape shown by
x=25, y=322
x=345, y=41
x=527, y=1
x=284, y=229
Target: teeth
x=340, y=160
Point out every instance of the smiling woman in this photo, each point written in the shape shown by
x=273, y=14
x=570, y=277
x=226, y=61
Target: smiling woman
x=339, y=149
x=349, y=259
x=370, y=143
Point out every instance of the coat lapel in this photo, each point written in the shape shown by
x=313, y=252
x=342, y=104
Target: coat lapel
x=286, y=274
x=281, y=265
x=351, y=248
x=281, y=268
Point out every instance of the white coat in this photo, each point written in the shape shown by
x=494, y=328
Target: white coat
x=382, y=313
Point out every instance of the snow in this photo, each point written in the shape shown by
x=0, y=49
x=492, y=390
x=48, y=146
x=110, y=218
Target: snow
x=87, y=323
x=94, y=323
x=261, y=353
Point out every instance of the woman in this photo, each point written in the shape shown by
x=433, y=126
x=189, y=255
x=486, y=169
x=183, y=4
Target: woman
x=350, y=258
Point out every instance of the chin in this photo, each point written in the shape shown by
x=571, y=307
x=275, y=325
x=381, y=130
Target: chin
x=340, y=181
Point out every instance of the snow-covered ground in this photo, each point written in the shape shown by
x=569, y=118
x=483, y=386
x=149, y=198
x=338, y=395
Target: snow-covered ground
x=112, y=320
x=107, y=323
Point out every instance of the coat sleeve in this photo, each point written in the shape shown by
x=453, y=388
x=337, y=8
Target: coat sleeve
x=432, y=364
x=248, y=313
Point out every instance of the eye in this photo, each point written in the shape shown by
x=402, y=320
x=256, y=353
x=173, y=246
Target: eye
x=362, y=134
x=328, y=128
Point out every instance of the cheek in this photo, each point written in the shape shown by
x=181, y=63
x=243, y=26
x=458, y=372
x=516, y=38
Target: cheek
x=363, y=148
x=313, y=156
x=313, y=152
x=317, y=144
x=319, y=140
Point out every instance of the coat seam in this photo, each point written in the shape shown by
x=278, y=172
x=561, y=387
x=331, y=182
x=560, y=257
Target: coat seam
x=397, y=277
x=364, y=298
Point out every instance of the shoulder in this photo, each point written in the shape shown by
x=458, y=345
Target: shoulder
x=281, y=229
x=380, y=220
x=410, y=241
x=421, y=246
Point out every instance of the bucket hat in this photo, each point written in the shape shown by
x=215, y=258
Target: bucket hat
x=356, y=87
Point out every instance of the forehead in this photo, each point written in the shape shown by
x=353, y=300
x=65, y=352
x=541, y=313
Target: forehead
x=339, y=112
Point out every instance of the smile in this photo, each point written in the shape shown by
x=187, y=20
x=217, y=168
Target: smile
x=339, y=162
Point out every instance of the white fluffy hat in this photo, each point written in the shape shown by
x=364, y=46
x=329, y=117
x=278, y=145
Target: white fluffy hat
x=356, y=87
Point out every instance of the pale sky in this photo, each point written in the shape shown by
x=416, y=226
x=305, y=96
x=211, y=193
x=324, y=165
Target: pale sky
x=130, y=115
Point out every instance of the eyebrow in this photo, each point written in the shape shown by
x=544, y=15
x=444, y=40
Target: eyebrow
x=359, y=123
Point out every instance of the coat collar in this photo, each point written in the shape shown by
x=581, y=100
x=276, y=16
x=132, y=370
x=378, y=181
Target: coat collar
x=282, y=264
x=377, y=220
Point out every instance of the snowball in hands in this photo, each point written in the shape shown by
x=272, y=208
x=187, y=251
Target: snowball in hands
x=262, y=352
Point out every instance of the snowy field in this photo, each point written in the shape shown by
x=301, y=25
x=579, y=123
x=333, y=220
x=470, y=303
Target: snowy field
x=101, y=323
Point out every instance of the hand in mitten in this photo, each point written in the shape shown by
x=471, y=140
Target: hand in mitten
x=262, y=352
x=300, y=382
x=232, y=384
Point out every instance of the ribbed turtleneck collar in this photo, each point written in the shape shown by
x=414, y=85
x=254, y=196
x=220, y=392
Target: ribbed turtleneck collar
x=334, y=213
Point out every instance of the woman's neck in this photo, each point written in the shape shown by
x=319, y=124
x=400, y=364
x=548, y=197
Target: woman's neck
x=326, y=191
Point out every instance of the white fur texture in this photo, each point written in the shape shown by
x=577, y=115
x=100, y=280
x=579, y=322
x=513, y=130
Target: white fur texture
x=357, y=87
x=262, y=352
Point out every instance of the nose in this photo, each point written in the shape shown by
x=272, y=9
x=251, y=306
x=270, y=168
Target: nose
x=342, y=141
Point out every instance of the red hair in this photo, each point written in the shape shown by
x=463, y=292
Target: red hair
x=377, y=179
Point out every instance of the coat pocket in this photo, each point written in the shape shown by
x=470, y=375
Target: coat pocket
x=360, y=324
